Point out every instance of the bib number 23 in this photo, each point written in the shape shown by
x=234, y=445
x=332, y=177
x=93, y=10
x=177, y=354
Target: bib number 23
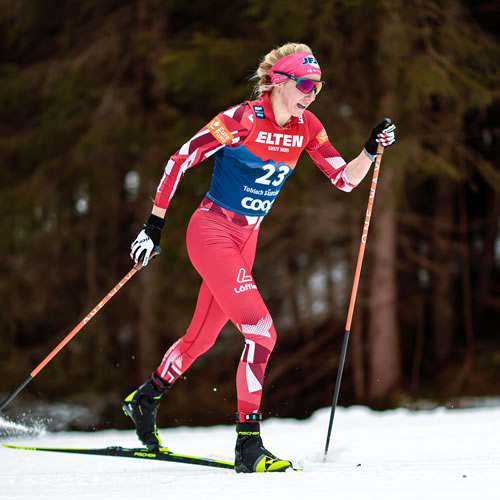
x=270, y=171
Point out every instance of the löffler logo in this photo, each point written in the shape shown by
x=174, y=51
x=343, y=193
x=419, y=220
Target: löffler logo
x=245, y=278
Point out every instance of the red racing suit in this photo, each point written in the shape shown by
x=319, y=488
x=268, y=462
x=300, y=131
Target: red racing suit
x=253, y=158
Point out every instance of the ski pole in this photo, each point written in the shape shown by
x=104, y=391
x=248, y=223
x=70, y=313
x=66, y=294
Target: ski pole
x=75, y=330
x=364, y=237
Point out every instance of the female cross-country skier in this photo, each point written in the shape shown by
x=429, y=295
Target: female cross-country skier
x=256, y=146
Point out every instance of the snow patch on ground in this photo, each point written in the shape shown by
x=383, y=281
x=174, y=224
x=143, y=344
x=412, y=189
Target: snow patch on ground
x=391, y=455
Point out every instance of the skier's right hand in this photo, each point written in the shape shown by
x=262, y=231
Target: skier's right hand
x=147, y=241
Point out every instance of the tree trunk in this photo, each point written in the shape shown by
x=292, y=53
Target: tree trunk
x=385, y=357
x=443, y=310
x=383, y=328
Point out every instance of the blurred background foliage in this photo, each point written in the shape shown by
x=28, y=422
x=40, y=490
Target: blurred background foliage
x=95, y=95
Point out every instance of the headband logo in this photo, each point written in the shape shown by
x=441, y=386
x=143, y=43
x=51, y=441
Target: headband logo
x=311, y=61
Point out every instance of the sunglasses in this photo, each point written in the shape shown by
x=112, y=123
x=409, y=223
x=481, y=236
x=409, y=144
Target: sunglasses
x=305, y=85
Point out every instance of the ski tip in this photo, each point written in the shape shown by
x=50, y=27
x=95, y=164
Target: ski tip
x=17, y=447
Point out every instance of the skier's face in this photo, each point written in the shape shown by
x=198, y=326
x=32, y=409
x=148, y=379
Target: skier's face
x=293, y=100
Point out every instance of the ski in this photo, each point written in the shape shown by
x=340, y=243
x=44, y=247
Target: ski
x=117, y=451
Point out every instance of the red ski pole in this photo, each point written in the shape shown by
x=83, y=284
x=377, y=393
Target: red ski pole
x=361, y=253
x=75, y=330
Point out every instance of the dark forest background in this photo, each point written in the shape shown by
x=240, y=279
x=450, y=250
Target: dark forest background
x=95, y=95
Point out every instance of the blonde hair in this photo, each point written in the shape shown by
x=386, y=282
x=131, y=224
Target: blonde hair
x=262, y=74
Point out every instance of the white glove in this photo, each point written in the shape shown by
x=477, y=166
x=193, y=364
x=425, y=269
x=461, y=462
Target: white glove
x=142, y=248
x=147, y=241
x=387, y=137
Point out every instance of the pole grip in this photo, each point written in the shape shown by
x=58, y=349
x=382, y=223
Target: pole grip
x=156, y=251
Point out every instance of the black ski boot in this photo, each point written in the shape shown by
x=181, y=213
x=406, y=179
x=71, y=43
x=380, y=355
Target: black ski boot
x=141, y=406
x=251, y=456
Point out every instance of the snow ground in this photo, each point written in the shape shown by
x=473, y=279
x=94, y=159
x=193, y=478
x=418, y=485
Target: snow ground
x=438, y=454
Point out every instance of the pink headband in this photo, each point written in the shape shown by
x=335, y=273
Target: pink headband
x=298, y=64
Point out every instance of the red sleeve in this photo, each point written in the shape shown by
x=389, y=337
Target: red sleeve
x=325, y=156
x=227, y=129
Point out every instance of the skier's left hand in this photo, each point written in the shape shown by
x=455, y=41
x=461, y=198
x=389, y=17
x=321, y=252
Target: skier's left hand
x=383, y=134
